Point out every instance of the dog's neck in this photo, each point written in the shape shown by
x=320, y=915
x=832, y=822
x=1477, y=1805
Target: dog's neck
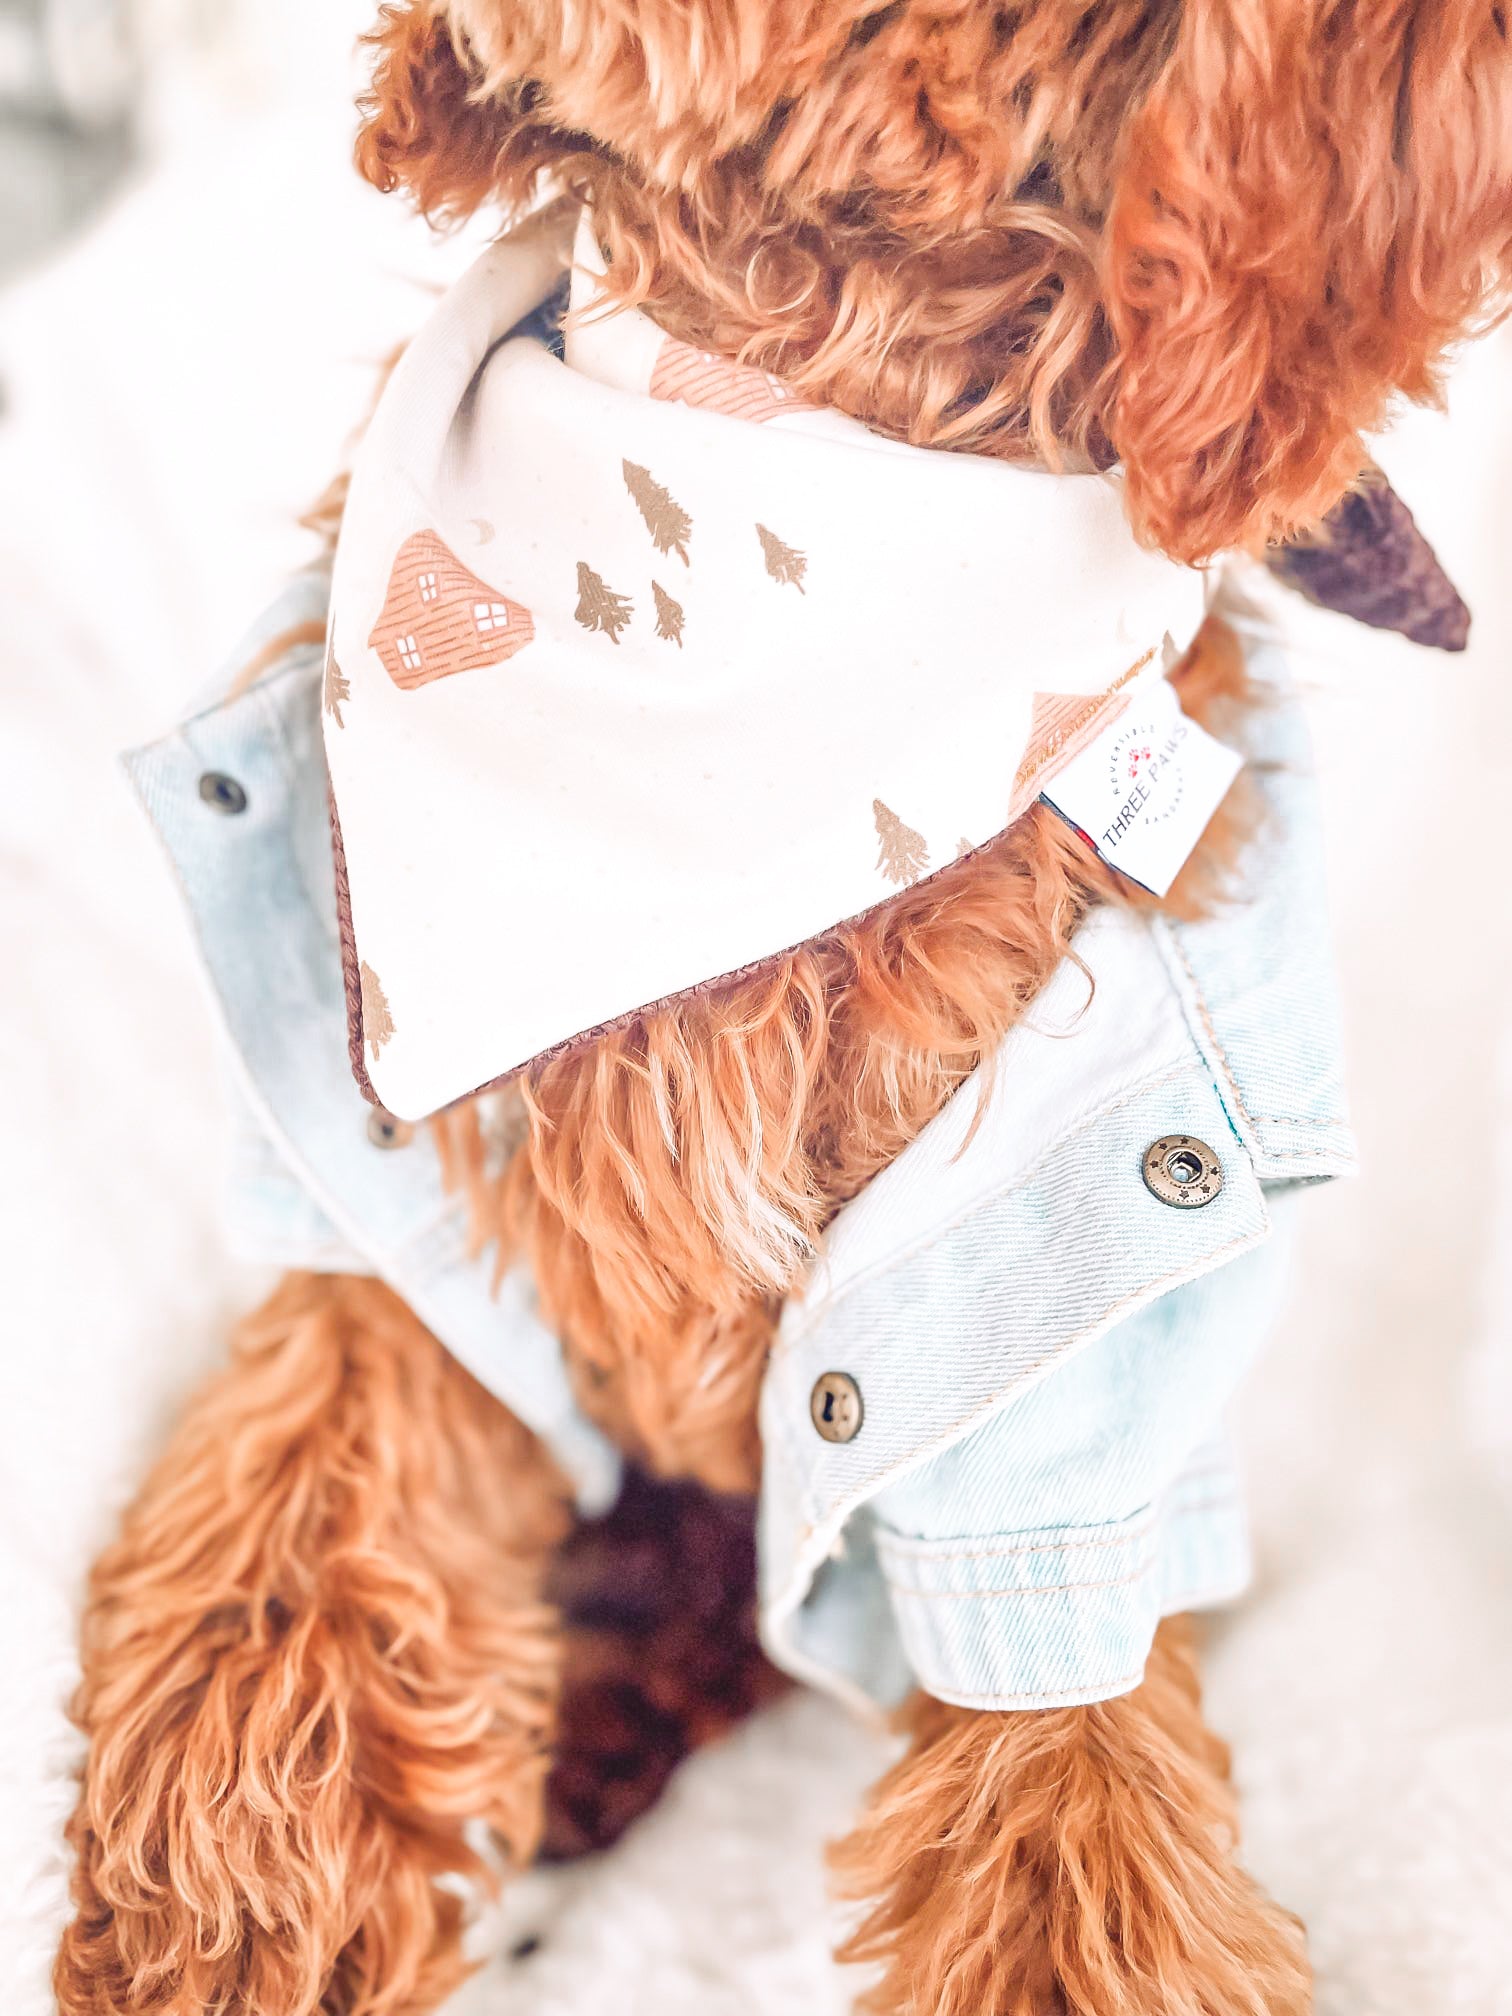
x=624, y=348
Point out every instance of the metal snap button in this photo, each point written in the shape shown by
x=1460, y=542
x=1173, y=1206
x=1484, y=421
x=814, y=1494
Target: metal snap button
x=222, y=793
x=384, y=1131
x=835, y=1405
x=1181, y=1170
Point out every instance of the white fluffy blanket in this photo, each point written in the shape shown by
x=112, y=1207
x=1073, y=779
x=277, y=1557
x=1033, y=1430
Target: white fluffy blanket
x=1366, y=1682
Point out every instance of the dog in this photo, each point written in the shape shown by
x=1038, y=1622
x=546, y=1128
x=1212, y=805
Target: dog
x=1203, y=245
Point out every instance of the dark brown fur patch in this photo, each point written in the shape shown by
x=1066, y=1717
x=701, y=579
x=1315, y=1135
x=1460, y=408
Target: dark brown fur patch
x=658, y=1600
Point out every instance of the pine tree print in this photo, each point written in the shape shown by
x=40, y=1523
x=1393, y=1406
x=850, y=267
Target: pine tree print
x=669, y=616
x=963, y=848
x=377, y=1022
x=599, y=607
x=902, y=857
x=783, y=562
x=335, y=689
x=666, y=520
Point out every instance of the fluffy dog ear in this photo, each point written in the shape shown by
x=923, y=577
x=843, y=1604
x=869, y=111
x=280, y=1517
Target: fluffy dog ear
x=1311, y=204
x=428, y=128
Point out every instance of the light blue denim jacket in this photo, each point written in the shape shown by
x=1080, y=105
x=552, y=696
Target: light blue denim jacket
x=1043, y=1349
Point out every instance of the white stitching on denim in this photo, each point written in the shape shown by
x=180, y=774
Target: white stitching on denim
x=1289, y=1120
x=1199, y=1598
x=293, y=668
x=1221, y=1056
x=783, y=1355
x=946, y=1438
x=1200, y=1000
x=1303, y=1154
x=813, y=1312
x=907, y=1547
x=1146, y=1294
x=1054, y=1697
x=1216, y=1504
x=926, y=1551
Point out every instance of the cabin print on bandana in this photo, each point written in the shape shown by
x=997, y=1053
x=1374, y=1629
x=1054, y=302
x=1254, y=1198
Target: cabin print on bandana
x=440, y=618
x=739, y=391
x=624, y=757
x=1060, y=726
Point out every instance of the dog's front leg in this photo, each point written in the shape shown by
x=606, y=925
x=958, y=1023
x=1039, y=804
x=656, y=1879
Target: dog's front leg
x=316, y=1651
x=1067, y=1862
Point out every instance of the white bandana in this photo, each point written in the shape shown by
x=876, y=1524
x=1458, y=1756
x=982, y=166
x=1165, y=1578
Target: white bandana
x=640, y=674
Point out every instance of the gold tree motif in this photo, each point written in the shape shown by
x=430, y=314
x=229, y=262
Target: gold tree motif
x=666, y=520
x=963, y=848
x=902, y=856
x=783, y=562
x=669, y=616
x=599, y=606
x=377, y=1022
x=335, y=688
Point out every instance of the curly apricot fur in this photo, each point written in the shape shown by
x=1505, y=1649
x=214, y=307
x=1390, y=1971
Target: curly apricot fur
x=677, y=1173
x=1071, y=1860
x=318, y=1649
x=1212, y=240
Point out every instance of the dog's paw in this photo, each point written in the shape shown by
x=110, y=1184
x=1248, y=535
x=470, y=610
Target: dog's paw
x=1066, y=1862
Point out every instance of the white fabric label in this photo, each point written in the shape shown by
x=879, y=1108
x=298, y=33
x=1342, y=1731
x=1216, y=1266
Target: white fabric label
x=1143, y=792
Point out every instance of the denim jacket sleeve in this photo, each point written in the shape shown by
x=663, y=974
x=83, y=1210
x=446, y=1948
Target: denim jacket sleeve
x=312, y=1188
x=1043, y=1348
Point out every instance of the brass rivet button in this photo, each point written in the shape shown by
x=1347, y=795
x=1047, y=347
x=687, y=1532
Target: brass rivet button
x=835, y=1405
x=384, y=1131
x=1181, y=1170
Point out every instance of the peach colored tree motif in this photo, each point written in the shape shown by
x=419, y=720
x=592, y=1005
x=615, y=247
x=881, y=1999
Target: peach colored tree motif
x=600, y=607
x=335, y=688
x=1060, y=726
x=669, y=616
x=902, y=855
x=666, y=520
x=783, y=562
x=377, y=1022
